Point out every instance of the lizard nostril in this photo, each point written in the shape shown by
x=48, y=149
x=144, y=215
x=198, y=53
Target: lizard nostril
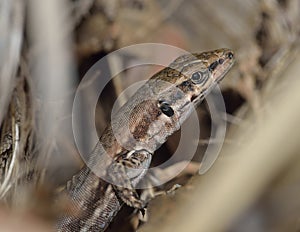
x=221, y=61
x=230, y=55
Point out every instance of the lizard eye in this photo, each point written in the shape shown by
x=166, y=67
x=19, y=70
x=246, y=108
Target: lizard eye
x=199, y=77
x=166, y=108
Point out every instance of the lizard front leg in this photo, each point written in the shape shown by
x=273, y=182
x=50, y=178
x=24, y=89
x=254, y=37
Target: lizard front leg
x=128, y=170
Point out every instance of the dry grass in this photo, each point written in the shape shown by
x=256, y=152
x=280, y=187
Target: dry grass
x=45, y=48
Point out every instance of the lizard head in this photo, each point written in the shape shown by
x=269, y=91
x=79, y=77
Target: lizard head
x=202, y=71
x=190, y=78
x=196, y=74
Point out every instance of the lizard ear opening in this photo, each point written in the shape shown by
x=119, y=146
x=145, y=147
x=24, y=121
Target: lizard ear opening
x=166, y=108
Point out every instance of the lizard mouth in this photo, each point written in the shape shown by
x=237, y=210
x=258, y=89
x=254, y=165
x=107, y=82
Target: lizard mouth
x=221, y=71
x=194, y=97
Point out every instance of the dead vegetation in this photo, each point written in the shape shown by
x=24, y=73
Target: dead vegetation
x=46, y=47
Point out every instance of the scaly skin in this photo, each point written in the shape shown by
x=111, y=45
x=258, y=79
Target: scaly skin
x=137, y=130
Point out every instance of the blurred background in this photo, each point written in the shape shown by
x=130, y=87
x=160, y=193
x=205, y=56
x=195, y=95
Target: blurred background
x=46, y=47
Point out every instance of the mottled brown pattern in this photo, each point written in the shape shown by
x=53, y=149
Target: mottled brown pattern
x=142, y=116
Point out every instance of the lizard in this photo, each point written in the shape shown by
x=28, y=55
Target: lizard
x=137, y=130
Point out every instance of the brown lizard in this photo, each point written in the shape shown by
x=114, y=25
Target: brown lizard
x=139, y=128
